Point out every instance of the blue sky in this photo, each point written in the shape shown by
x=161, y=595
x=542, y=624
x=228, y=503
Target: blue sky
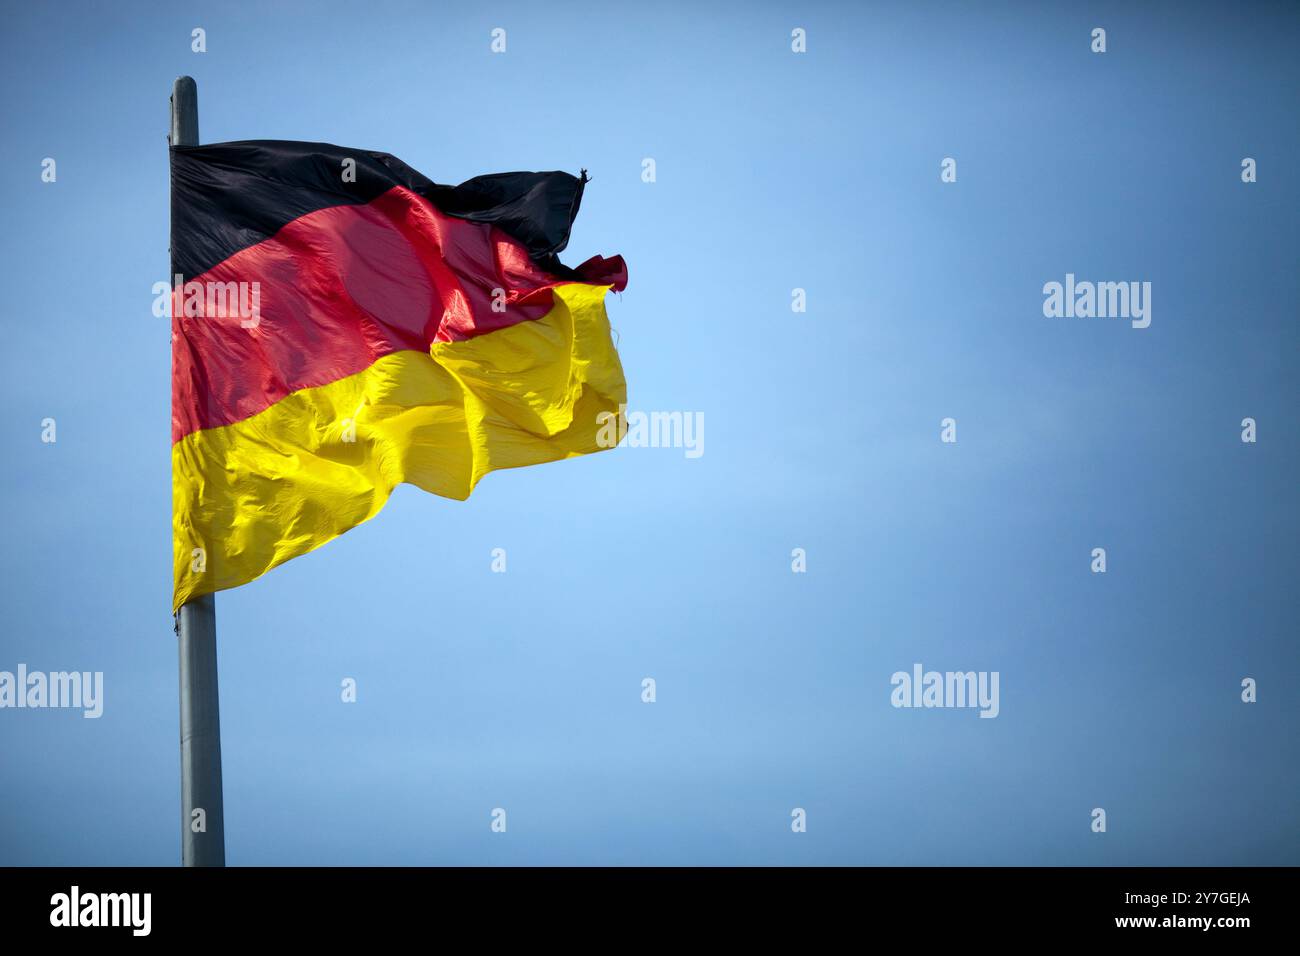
x=775, y=171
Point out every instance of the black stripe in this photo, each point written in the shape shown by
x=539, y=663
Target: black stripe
x=228, y=196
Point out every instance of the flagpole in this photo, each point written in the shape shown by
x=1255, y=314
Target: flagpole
x=203, y=835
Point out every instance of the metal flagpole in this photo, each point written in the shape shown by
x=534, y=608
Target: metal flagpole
x=203, y=831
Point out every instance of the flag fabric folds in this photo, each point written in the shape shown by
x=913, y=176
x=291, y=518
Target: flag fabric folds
x=341, y=324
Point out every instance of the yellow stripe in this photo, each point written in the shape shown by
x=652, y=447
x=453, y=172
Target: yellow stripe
x=249, y=496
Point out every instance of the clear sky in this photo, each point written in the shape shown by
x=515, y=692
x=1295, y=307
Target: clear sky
x=775, y=171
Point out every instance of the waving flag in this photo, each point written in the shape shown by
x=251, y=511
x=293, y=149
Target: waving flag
x=341, y=325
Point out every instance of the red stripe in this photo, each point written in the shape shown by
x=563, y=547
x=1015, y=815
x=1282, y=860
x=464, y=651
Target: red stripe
x=340, y=287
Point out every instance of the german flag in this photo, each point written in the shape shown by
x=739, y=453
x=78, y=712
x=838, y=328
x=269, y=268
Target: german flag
x=341, y=324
